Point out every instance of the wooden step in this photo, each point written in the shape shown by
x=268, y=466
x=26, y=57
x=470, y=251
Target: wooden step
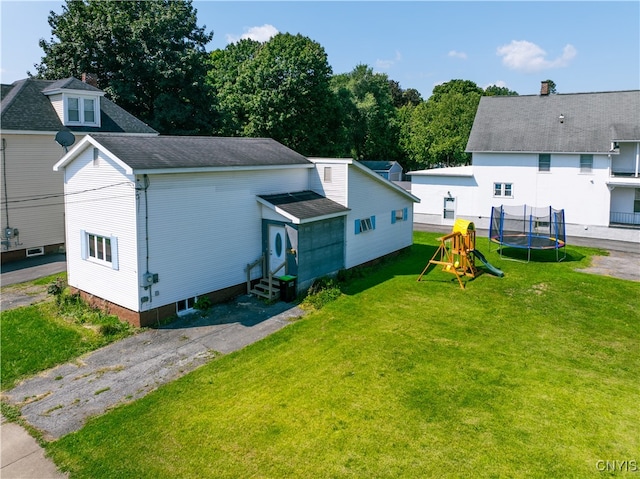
x=262, y=289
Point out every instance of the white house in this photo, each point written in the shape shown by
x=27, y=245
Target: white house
x=577, y=152
x=154, y=223
x=33, y=113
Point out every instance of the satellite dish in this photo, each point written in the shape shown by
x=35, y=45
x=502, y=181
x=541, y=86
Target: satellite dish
x=65, y=138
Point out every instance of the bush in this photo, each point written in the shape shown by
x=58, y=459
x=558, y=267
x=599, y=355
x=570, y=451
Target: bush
x=56, y=289
x=323, y=291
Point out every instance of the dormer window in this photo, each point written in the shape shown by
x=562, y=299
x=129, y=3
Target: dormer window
x=80, y=110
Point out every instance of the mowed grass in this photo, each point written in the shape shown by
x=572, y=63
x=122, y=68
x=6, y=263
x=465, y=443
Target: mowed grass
x=37, y=337
x=536, y=374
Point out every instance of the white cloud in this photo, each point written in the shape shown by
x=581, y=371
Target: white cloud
x=456, y=54
x=528, y=57
x=259, y=34
x=386, y=64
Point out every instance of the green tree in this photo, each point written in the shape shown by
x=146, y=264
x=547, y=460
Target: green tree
x=277, y=89
x=494, y=90
x=552, y=87
x=370, y=116
x=148, y=56
x=435, y=133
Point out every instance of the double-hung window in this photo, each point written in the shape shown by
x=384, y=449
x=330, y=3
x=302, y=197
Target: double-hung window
x=544, y=162
x=586, y=163
x=81, y=111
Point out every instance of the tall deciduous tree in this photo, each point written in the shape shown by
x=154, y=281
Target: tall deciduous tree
x=367, y=99
x=279, y=89
x=435, y=133
x=148, y=56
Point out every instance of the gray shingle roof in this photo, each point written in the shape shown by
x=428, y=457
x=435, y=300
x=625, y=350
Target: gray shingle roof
x=305, y=204
x=378, y=165
x=162, y=152
x=531, y=123
x=24, y=106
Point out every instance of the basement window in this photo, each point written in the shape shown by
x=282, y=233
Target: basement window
x=39, y=251
x=185, y=306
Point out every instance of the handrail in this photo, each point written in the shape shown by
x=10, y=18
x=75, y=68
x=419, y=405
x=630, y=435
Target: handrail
x=250, y=267
x=271, y=277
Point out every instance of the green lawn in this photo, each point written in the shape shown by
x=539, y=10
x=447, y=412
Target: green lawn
x=536, y=374
x=38, y=337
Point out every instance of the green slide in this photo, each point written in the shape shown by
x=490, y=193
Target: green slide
x=495, y=271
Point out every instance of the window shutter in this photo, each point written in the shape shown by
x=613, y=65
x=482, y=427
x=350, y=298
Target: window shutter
x=373, y=222
x=357, y=227
x=405, y=214
x=393, y=217
x=114, y=253
x=83, y=244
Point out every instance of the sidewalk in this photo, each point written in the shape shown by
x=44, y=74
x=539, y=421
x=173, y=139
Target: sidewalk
x=22, y=457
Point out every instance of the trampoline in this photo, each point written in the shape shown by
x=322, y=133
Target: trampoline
x=529, y=228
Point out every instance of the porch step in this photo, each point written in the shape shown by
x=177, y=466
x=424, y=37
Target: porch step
x=262, y=289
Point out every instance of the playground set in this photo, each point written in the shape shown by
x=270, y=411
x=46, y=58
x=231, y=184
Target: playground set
x=457, y=253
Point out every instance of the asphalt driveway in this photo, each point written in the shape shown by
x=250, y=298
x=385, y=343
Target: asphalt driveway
x=60, y=400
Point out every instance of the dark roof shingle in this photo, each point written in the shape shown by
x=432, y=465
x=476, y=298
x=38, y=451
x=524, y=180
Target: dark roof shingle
x=25, y=107
x=162, y=152
x=532, y=123
x=305, y=205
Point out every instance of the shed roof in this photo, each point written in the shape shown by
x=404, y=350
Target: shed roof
x=25, y=106
x=303, y=206
x=531, y=123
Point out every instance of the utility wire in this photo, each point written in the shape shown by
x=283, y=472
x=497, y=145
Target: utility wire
x=62, y=195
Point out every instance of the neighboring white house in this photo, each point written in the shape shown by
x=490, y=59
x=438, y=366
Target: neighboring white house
x=577, y=152
x=390, y=170
x=33, y=112
x=154, y=223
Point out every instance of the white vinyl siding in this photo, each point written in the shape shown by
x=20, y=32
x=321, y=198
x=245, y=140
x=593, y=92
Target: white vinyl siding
x=333, y=187
x=205, y=228
x=101, y=204
x=372, y=198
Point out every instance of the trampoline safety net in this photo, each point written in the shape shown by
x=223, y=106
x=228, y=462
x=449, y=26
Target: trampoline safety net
x=527, y=227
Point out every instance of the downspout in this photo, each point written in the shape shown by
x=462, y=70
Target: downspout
x=637, y=158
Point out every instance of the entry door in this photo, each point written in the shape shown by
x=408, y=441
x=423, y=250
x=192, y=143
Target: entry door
x=277, y=249
x=449, y=210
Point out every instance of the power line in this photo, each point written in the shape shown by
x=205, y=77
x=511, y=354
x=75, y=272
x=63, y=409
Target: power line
x=62, y=195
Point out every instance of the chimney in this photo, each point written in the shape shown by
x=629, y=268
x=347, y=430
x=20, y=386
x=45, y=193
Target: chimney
x=90, y=79
x=544, y=88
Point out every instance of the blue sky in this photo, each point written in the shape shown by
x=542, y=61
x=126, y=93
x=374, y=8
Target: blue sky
x=582, y=46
